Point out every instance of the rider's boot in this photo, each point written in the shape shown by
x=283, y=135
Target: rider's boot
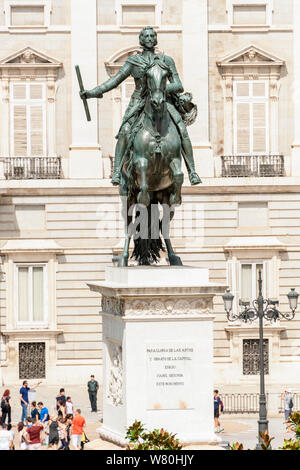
x=120, y=149
x=189, y=160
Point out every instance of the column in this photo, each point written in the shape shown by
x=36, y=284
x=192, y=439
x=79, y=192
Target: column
x=296, y=97
x=195, y=79
x=85, y=151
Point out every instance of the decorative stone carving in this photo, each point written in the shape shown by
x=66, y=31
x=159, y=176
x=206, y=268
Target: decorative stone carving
x=168, y=307
x=115, y=385
x=113, y=305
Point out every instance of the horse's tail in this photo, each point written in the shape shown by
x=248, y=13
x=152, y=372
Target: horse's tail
x=147, y=249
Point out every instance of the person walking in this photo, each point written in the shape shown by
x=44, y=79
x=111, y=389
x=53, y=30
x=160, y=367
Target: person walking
x=35, y=415
x=62, y=432
x=44, y=413
x=93, y=388
x=61, y=412
x=217, y=411
x=22, y=436
x=61, y=398
x=53, y=433
x=69, y=407
x=33, y=436
x=6, y=407
x=69, y=419
x=6, y=438
x=78, y=424
x=24, y=398
x=287, y=396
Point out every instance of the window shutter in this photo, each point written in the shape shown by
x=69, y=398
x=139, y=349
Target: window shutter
x=20, y=130
x=19, y=92
x=36, y=92
x=36, y=130
x=243, y=128
x=259, y=128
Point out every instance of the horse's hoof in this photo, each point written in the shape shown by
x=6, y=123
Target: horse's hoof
x=195, y=178
x=175, y=200
x=175, y=260
x=143, y=198
x=123, y=262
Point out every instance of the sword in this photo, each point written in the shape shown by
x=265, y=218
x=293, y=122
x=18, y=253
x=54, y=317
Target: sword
x=86, y=106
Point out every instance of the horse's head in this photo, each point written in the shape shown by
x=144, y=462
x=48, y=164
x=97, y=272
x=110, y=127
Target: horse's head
x=157, y=81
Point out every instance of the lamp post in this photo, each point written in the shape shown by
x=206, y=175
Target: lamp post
x=260, y=309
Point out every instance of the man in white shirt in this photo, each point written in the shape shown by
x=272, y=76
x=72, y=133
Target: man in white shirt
x=6, y=438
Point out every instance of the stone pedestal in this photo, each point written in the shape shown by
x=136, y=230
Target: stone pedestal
x=158, y=351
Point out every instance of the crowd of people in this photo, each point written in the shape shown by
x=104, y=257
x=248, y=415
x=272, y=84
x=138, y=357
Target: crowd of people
x=40, y=429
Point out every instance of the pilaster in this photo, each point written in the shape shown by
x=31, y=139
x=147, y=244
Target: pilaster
x=195, y=79
x=85, y=151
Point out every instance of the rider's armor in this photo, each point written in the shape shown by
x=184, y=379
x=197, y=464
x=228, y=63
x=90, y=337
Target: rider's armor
x=137, y=67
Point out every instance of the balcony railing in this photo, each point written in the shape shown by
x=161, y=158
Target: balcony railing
x=257, y=166
x=23, y=168
x=239, y=403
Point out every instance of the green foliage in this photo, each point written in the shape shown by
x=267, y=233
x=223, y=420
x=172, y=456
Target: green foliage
x=291, y=445
x=237, y=446
x=141, y=439
x=294, y=420
x=266, y=440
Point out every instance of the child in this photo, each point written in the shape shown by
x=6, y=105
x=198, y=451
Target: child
x=69, y=407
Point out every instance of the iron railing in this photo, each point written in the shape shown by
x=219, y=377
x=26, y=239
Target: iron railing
x=241, y=403
x=23, y=168
x=252, y=166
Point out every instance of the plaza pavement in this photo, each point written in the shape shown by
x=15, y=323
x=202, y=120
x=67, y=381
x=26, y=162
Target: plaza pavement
x=237, y=429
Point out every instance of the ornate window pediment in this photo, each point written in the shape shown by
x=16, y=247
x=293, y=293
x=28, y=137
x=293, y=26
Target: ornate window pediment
x=28, y=58
x=250, y=57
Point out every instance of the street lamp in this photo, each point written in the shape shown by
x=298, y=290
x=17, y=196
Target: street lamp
x=260, y=309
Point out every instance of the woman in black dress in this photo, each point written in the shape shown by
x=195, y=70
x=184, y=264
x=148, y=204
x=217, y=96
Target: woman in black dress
x=6, y=407
x=53, y=433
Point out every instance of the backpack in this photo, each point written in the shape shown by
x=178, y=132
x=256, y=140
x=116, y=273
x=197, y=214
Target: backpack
x=291, y=404
x=222, y=406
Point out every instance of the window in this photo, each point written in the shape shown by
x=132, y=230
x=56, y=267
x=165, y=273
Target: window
x=27, y=14
x=253, y=214
x=132, y=13
x=28, y=119
x=251, y=362
x=31, y=295
x=251, y=115
x=32, y=361
x=249, y=280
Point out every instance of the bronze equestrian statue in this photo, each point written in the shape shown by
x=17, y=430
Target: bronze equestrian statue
x=151, y=140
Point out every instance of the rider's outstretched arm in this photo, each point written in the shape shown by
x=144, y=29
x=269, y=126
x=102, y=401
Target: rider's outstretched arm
x=175, y=85
x=111, y=83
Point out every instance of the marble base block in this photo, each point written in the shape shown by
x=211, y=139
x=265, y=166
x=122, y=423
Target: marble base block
x=158, y=351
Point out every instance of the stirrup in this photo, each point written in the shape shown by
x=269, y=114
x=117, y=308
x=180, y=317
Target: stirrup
x=194, y=178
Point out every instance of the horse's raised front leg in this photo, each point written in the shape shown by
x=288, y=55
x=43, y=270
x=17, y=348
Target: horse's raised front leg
x=175, y=197
x=141, y=164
